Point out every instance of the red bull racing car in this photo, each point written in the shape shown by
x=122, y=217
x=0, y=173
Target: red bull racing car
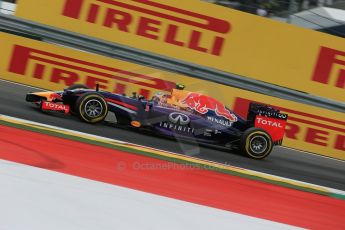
x=181, y=114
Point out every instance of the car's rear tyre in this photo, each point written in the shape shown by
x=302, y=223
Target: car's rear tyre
x=91, y=107
x=256, y=143
x=77, y=86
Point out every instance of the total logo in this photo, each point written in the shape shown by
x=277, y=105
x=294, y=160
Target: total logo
x=263, y=121
x=55, y=107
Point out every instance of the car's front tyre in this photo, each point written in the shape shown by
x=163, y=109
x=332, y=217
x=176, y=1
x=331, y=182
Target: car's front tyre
x=91, y=107
x=256, y=143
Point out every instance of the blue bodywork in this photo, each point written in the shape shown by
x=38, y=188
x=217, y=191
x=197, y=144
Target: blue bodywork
x=208, y=128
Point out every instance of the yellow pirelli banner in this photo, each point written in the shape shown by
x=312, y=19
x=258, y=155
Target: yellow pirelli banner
x=209, y=35
x=52, y=67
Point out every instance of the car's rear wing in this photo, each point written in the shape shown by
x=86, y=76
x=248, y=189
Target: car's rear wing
x=269, y=119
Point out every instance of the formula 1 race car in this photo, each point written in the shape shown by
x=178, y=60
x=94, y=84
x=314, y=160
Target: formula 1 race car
x=181, y=114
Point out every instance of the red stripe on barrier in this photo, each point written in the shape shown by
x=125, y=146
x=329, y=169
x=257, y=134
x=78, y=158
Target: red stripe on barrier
x=172, y=180
x=317, y=124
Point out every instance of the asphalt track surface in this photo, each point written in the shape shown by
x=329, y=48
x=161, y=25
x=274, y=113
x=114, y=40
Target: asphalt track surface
x=283, y=162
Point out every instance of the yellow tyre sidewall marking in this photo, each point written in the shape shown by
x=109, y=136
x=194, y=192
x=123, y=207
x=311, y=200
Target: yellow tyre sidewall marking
x=82, y=112
x=248, y=143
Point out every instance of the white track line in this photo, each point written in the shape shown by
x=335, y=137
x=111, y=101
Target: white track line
x=278, y=178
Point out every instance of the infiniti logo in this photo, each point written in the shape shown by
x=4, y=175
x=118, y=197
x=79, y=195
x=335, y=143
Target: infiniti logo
x=179, y=118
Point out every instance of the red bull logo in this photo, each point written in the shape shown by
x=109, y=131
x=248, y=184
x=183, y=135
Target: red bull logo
x=202, y=104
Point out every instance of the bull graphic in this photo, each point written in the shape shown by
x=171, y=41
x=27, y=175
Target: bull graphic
x=202, y=104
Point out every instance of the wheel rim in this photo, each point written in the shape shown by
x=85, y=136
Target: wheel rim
x=93, y=108
x=258, y=144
